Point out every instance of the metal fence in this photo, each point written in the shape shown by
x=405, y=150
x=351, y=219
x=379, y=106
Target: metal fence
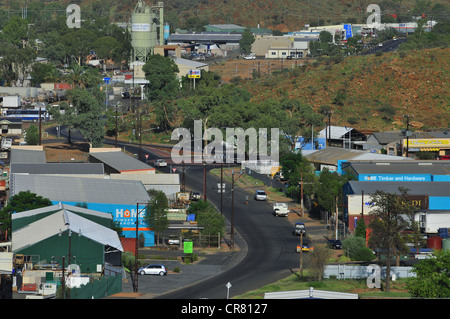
x=343, y=271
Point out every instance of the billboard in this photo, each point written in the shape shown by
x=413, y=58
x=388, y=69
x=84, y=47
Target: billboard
x=125, y=215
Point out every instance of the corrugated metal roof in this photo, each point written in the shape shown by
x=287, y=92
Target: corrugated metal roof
x=61, y=221
x=77, y=189
x=331, y=155
x=414, y=188
x=199, y=37
x=27, y=156
x=120, y=161
x=55, y=208
x=57, y=168
x=193, y=64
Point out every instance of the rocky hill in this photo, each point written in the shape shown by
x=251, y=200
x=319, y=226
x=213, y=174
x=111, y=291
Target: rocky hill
x=370, y=92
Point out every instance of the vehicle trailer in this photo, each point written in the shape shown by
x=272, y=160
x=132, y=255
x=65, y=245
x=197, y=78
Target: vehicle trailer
x=431, y=221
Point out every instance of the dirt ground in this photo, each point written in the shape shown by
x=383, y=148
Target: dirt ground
x=63, y=152
x=245, y=68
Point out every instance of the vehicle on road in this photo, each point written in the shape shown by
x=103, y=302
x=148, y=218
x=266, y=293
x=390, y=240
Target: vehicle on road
x=299, y=229
x=305, y=248
x=160, y=163
x=260, y=195
x=251, y=56
x=173, y=240
x=280, y=209
x=153, y=270
x=195, y=196
x=335, y=243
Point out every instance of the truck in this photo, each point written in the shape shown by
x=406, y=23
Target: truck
x=280, y=209
x=299, y=229
x=431, y=221
x=6, y=143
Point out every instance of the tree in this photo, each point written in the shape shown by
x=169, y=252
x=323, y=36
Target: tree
x=432, y=276
x=20, y=202
x=393, y=214
x=85, y=115
x=246, y=41
x=207, y=217
x=156, y=213
x=161, y=72
x=318, y=260
x=32, y=137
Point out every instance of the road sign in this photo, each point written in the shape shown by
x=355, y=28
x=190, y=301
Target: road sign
x=194, y=74
x=228, y=289
x=221, y=187
x=188, y=247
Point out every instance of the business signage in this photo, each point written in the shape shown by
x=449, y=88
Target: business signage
x=125, y=215
x=395, y=177
x=429, y=142
x=195, y=74
x=348, y=31
x=140, y=27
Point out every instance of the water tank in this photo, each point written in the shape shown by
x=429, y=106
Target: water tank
x=446, y=243
x=434, y=242
x=143, y=32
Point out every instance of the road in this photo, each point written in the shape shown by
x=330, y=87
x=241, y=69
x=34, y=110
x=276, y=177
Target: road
x=269, y=246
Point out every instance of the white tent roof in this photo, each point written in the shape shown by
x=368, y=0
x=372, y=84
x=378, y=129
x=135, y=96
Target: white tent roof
x=61, y=221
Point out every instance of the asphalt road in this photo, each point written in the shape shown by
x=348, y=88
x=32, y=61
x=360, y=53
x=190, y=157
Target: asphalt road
x=267, y=246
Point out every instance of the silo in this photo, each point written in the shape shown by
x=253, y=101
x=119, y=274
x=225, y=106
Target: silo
x=144, y=29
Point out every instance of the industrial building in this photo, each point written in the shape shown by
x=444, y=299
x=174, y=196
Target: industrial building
x=83, y=236
x=427, y=184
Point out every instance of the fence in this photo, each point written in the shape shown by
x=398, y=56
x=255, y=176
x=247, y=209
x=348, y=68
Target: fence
x=342, y=271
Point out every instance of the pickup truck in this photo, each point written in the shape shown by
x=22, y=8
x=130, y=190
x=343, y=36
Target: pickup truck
x=280, y=209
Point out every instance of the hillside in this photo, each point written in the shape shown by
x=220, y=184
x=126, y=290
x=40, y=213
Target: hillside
x=367, y=92
x=284, y=15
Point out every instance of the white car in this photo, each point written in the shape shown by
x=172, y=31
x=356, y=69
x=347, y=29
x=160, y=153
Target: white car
x=153, y=270
x=160, y=163
x=260, y=195
x=250, y=57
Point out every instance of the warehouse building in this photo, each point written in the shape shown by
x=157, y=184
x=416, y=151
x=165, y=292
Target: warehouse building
x=427, y=184
x=120, y=198
x=82, y=236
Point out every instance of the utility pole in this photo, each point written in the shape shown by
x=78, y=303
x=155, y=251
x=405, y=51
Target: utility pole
x=232, y=209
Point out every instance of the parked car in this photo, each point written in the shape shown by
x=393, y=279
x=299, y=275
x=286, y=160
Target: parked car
x=125, y=95
x=335, y=243
x=160, y=163
x=260, y=195
x=251, y=56
x=153, y=270
x=173, y=240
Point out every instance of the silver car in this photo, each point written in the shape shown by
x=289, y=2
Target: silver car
x=260, y=195
x=153, y=270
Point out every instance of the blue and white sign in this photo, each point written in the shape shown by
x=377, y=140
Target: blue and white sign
x=348, y=31
x=126, y=216
x=395, y=177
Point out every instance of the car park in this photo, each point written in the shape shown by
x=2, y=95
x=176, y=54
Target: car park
x=160, y=163
x=153, y=269
x=260, y=195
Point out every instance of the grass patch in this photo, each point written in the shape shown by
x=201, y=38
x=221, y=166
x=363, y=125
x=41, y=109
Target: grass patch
x=293, y=282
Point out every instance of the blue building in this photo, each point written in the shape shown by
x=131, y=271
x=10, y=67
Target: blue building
x=427, y=184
